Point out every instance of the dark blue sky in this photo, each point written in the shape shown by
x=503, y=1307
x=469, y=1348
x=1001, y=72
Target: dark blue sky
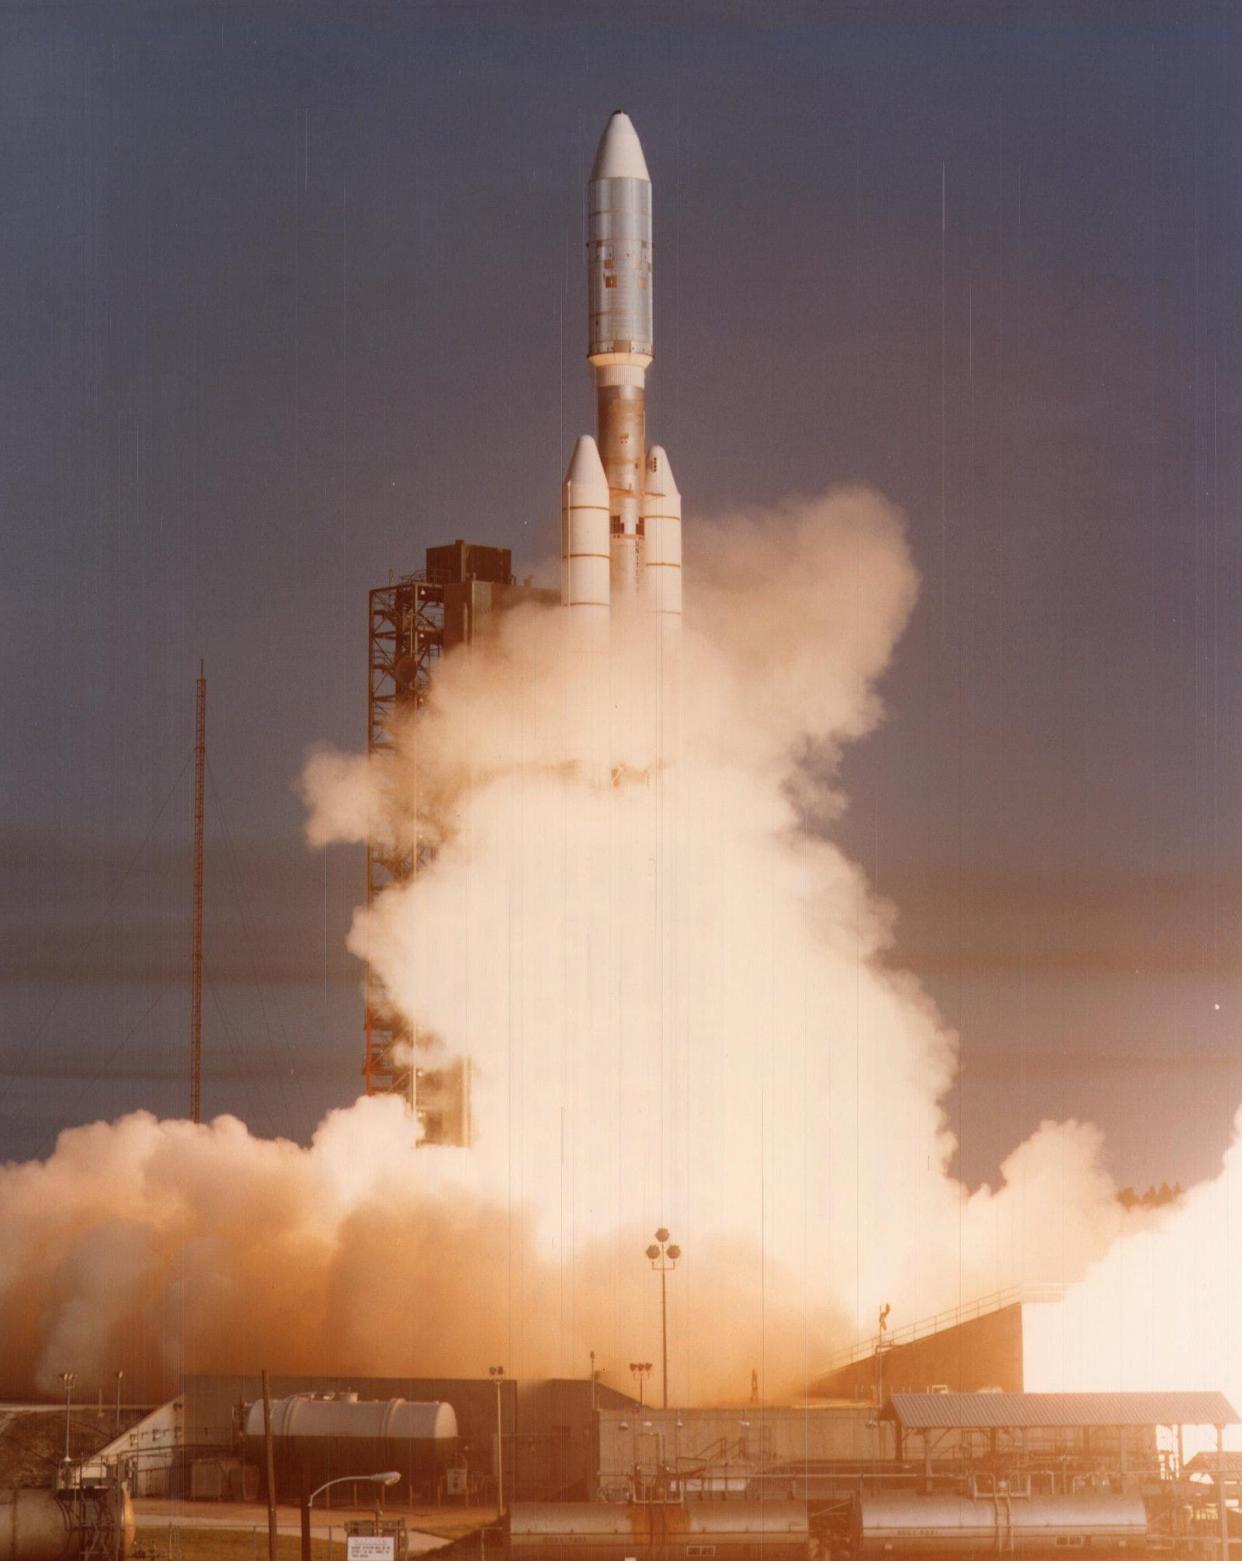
x=290, y=292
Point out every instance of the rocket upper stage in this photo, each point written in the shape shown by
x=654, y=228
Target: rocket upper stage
x=621, y=511
x=619, y=248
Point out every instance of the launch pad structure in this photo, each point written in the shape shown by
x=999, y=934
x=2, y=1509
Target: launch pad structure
x=412, y=622
x=620, y=557
x=620, y=554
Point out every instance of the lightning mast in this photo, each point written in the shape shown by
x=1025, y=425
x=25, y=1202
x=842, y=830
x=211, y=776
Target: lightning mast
x=196, y=977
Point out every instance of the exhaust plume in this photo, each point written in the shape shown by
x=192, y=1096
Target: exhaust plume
x=672, y=989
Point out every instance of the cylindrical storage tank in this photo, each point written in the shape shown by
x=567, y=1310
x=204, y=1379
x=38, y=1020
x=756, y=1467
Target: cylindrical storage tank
x=43, y=1525
x=318, y=1439
x=553, y=1528
x=744, y=1530
x=654, y=1531
x=906, y=1523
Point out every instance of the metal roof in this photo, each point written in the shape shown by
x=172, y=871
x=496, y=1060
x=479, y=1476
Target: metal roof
x=945, y=1411
x=1228, y=1462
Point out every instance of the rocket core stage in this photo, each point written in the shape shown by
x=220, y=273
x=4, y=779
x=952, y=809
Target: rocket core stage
x=621, y=511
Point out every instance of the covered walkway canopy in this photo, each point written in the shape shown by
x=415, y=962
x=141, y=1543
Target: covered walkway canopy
x=1020, y=1411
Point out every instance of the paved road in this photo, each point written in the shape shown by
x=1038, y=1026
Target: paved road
x=158, y=1512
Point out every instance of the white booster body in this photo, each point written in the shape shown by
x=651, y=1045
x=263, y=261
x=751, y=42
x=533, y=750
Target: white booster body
x=585, y=541
x=661, y=539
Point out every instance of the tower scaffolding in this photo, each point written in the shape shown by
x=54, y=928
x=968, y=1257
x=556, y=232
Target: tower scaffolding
x=414, y=620
x=406, y=640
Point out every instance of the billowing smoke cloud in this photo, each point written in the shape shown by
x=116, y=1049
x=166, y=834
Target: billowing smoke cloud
x=674, y=998
x=1159, y=1309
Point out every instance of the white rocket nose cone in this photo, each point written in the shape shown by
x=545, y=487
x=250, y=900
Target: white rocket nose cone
x=586, y=470
x=620, y=154
x=659, y=477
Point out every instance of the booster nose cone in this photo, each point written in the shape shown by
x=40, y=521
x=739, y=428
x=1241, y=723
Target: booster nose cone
x=586, y=470
x=620, y=154
x=585, y=525
x=659, y=479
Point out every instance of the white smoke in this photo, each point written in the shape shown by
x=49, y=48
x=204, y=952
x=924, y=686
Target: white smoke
x=1159, y=1309
x=677, y=1005
x=672, y=993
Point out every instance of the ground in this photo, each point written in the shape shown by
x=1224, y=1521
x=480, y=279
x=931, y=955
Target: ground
x=235, y=1531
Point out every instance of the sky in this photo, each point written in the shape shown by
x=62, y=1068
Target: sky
x=289, y=293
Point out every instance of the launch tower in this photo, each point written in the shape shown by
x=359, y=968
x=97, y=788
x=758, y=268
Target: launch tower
x=413, y=621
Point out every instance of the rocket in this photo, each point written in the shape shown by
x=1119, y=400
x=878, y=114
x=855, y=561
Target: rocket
x=621, y=511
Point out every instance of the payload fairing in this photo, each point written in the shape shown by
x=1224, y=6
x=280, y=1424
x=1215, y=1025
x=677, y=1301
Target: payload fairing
x=621, y=511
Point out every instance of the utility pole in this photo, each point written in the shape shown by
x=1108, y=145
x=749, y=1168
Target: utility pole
x=497, y=1374
x=196, y=980
x=269, y=1454
x=68, y=1378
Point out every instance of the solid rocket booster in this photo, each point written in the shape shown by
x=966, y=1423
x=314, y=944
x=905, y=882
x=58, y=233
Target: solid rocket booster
x=621, y=342
x=585, y=541
x=661, y=541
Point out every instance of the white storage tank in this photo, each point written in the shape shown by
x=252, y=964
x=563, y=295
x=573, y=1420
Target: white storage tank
x=905, y=1523
x=331, y=1436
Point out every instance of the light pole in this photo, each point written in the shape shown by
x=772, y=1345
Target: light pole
x=664, y=1254
x=389, y=1478
x=497, y=1374
x=68, y=1378
x=639, y=1369
x=116, y=1425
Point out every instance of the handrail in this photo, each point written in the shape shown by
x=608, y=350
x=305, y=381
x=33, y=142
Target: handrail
x=967, y=1311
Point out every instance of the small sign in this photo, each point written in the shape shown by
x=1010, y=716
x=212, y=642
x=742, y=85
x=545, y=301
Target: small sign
x=371, y=1547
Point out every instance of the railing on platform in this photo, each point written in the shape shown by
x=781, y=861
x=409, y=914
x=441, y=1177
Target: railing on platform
x=968, y=1311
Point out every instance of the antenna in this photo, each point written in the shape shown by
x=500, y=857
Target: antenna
x=196, y=978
